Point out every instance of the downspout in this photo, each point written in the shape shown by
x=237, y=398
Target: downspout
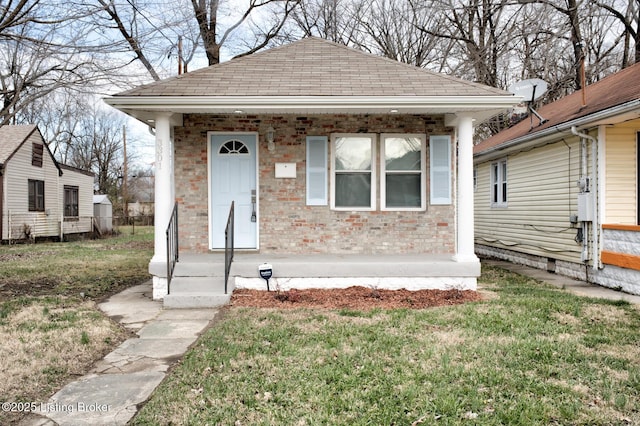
x=591, y=187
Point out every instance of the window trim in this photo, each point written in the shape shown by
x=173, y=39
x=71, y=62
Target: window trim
x=499, y=184
x=33, y=197
x=374, y=142
x=421, y=172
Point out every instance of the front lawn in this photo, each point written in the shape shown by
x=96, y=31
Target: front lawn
x=528, y=354
x=88, y=268
x=50, y=327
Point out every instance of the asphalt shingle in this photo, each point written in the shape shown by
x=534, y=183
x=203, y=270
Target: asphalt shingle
x=11, y=137
x=312, y=67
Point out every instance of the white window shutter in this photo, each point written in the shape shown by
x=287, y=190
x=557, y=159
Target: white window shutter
x=440, y=169
x=317, y=188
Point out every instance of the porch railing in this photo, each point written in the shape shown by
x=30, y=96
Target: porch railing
x=172, y=245
x=228, y=246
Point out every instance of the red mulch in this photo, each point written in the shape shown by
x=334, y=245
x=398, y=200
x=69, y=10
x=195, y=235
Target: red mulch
x=357, y=298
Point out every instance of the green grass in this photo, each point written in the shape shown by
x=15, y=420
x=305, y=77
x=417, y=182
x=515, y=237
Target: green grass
x=50, y=328
x=92, y=268
x=531, y=355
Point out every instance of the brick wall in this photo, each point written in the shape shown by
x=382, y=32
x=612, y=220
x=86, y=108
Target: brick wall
x=287, y=224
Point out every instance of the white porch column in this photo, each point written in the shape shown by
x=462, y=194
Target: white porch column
x=164, y=202
x=465, y=230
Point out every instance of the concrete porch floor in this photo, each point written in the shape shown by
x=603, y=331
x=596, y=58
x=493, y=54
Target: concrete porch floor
x=245, y=264
x=198, y=279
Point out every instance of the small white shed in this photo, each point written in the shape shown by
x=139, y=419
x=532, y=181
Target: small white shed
x=103, y=213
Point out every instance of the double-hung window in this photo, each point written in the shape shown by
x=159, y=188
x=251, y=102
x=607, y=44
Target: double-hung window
x=354, y=173
x=36, y=195
x=402, y=183
x=499, y=183
x=70, y=202
x=403, y=171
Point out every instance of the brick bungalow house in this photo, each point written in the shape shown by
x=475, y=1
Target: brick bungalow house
x=326, y=151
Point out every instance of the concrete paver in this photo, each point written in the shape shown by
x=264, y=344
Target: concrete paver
x=102, y=399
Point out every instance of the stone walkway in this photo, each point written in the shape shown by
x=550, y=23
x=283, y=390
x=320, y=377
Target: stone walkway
x=110, y=393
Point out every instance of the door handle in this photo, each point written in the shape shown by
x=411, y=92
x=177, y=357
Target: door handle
x=253, y=205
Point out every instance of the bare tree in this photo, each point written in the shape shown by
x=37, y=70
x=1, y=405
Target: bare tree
x=97, y=146
x=41, y=51
x=335, y=20
x=127, y=24
x=394, y=26
x=483, y=30
x=214, y=35
x=58, y=116
x=629, y=16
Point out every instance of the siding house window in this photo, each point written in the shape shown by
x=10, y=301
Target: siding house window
x=36, y=195
x=70, y=202
x=353, y=175
x=499, y=183
x=403, y=168
x=37, y=151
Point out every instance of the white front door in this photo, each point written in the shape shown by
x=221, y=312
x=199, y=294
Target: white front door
x=234, y=179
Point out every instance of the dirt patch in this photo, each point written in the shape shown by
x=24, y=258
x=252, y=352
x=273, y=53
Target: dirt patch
x=356, y=298
x=10, y=289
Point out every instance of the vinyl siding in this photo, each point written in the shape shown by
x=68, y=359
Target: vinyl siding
x=620, y=173
x=541, y=197
x=18, y=171
x=85, y=200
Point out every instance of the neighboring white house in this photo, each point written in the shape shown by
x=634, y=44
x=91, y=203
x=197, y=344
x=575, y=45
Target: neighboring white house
x=40, y=197
x=563, y=194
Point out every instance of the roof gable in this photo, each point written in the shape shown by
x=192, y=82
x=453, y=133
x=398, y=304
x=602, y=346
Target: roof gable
x=613, y=91
x=11, y=138
x=313, y=67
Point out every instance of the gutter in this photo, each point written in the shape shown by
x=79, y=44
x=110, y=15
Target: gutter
x=275, y=103
x=560, y=128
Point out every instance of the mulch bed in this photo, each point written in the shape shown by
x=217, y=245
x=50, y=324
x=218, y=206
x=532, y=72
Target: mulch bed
x=356, y=297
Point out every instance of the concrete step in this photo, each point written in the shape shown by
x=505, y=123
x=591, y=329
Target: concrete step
x=198, y=292
x=199, y=268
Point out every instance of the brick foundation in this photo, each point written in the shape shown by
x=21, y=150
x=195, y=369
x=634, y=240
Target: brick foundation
x=287, y=224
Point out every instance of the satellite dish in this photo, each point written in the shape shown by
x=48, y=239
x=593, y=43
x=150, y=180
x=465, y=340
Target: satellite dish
x=531, y=89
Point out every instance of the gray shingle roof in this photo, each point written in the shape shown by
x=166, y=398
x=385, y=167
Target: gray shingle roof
x=312, y=67
x=11, y=137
